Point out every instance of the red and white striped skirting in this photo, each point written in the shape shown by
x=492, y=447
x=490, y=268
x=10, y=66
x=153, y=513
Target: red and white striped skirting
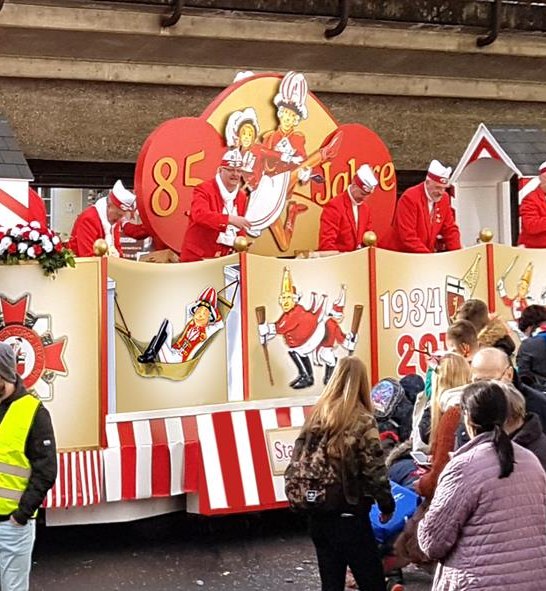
x=220, y=459
x=79, y=480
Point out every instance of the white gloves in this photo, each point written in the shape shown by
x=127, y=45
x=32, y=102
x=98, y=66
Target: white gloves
x=501, y=288
x=350, y=341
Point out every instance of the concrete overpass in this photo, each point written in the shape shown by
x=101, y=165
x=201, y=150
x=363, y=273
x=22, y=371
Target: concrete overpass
x=87, y=82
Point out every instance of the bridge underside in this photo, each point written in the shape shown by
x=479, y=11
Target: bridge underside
x=88, y=84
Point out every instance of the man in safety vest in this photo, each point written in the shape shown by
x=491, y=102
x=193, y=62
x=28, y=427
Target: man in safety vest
x=28, y=468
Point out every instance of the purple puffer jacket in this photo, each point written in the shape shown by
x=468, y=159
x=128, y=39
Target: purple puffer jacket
x=487, y=532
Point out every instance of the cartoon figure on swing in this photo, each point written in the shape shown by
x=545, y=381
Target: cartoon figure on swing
x=203, y=320
x=272, y=168
x=311, y=333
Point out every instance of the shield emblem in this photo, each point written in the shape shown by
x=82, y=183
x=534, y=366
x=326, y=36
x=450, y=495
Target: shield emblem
x=455, y=296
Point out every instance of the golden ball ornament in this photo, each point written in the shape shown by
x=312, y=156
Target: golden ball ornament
x=486, y=235
x=100, y=247
x=369, y=238
x=242, y=244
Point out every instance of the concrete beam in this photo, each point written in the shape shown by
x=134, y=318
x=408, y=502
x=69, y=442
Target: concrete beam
x=320, y=81
x=258, y=27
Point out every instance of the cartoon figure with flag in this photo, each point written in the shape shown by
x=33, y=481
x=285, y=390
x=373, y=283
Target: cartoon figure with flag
x=459, y=290
x=303, y=329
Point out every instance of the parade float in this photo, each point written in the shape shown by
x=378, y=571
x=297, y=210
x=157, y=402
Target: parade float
x=245, y=342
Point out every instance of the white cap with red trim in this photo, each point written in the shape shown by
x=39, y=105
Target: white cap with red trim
x=122, y=198
x=542, y=168
x=439, y=173
x=292, y=93
x=339, y=303
x=232, y=159
x=365, y=178
x=209, y=300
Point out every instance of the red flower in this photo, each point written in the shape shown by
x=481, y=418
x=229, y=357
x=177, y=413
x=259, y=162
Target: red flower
x=12, y=248
x=59, y=247
x=38, y=250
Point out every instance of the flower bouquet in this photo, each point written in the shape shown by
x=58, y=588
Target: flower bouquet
x=34, y=242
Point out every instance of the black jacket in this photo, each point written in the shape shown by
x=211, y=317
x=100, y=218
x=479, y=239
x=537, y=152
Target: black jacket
x=535, y=400
x=41, y=452
x=531, y=437
x=531, y=362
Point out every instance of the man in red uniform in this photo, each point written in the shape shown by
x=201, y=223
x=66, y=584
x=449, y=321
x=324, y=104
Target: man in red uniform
x=423, y=213
x=217, y=211
x=346, y=218
x=205, y=320
x=302, y=330
x=106, y=219
x=533, y=214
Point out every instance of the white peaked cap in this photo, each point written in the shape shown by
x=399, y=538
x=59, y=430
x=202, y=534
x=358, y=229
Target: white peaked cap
x=232, y=158
x=292, y=93
x=121, y=197
x=242, y=76
x=542, y=168
x=365, y=178
x=236, y=120
x=438, y=172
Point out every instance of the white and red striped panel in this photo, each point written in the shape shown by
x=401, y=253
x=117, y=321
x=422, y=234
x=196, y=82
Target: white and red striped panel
x=236, y=474
x=79, y=480
x=151, y=458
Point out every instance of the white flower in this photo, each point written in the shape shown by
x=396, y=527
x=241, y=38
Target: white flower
x=30, y=253
x=4, y=243
x=34, y=235
x=46, y=243
x=22, y=247
x=55, y=240
x=15, y=232
x=3, y=229
x=35, y=224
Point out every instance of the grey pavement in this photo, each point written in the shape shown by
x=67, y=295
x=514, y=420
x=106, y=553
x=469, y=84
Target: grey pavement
x=268, y=551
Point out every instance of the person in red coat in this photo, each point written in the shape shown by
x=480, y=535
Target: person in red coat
x=346, y=218
x=532, y=212
x=106, y=219
x=423, y=213
x=217, y=211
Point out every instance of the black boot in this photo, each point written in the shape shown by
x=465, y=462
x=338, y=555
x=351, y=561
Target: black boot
x=328, y=371
x=302, y=376
x=308, y=371
x=155, y=344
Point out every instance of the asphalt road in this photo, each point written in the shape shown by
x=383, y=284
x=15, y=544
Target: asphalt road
x=268, y=551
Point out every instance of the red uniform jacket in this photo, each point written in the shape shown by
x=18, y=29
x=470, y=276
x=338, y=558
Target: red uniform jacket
x=338, y=230
x=533, y=220
x=333, y=335
x=415, y=229
x=297, y=326
x=272, y=138
x=192, y=336
x=207, y=221
x=88, y=228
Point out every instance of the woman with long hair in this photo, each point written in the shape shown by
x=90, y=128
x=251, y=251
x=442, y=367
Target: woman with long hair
x=486, y=524
x=344, y=537
x=453, y=373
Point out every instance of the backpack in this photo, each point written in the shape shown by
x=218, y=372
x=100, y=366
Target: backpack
x=312, y=479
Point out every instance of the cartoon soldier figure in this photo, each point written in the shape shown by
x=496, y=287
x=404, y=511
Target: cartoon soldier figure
x=522, y=299
x=204, y=322
x=20, y=355
x=302, y=330
x=335, y=336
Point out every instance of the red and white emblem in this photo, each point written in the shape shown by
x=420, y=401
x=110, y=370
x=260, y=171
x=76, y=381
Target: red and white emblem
x=39, y=356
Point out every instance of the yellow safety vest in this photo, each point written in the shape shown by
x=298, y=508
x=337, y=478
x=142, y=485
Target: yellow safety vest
x=14, y=465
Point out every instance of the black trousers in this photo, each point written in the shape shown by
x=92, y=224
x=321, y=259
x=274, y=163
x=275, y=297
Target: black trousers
x=342, y=541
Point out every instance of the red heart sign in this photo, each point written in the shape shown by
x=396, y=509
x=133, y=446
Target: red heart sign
x=176, y=157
